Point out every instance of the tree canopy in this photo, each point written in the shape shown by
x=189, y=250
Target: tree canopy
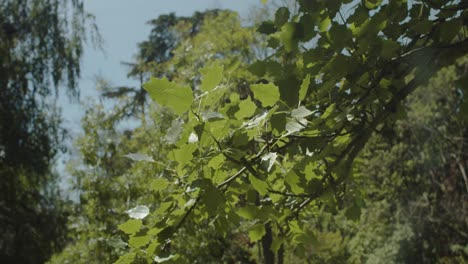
x=40, y=49
x=293, y=154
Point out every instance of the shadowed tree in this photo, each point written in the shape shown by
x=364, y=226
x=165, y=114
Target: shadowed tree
x=40, y=49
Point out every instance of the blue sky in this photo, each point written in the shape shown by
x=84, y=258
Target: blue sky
x=122, y=24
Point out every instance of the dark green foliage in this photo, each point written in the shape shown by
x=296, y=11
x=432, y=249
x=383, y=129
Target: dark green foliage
x=39, y=50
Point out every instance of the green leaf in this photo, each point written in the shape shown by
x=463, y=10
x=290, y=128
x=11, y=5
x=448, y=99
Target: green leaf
x=390, y=49
x=212, y=198
x=258, y=68
x=216, y=161
x=246, y=109
x=259, y=185
x=294, y=182
x=116, y=242
x=160, y=184
x=267, y=94
x=126, y=259
x=211, y=76
x=249, y=212
x=166, y=93
x=330, y=110
x=448, y=30
x=184, y=154
x=325, y=24
x=276, y=244
x=139, y=241
x=372, y=4
x=278, y=123
x=281, y=16
x=131, y=226
x=286, y=36
x=304, y=88
x=353, y=212
x=422, y=27
x=256, y=232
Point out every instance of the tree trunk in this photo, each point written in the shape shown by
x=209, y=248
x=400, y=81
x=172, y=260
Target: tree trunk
x=268, y=255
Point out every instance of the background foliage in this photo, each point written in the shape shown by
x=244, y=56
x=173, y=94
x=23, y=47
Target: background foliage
x=333, y=133
x=40, y=49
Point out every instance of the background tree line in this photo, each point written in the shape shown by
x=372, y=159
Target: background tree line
x=359, y=157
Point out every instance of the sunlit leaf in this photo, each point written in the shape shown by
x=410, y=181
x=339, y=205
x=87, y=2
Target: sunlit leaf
x=293, y=180
x=166, y=93
x=246, y=109
x=304, y=87
x=163, y=259
x=139, y=157
x=216, y=161
x=249, y=212
x=126, y=258
x=212, y=116
x=270, y=160
x=138, y=241
x=267, y=94
x=372, y=4
x=295, y=125
x=160, y=184
x=325, y=24
x=131, y=226
x=256, y=232
x=138, y=212
x=193, y=138
x=211, y=76
x=259, y=185
x=286, y=36
x=256, y=121
x=301, y=112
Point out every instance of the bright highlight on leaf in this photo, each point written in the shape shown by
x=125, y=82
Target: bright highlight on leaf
x=163, y=259
x=270, y=160
x=139, y=157
x=255, y=122
x=193, y=138
x=301, y=112
x=166, y=93
x=138, y=212
x=174, y=131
